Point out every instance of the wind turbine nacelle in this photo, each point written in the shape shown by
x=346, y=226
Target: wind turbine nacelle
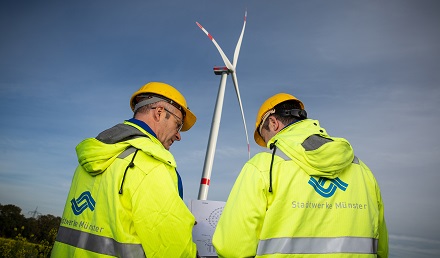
x=219, y=70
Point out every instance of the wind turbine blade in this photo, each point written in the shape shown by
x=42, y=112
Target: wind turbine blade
x=222, y=54
x=234, y=79
x=237, y=48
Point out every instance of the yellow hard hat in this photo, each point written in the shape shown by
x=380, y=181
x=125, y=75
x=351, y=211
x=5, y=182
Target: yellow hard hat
x=171, y=95
x=268, y=105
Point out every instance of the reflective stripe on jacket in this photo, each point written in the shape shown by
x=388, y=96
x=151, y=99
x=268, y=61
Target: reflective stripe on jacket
x=124, y=200
x=325, y=202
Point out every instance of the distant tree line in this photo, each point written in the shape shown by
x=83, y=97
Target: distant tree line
x=35, y=230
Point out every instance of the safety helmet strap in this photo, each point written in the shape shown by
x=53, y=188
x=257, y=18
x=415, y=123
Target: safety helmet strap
x=300, y=113
x=145, y=102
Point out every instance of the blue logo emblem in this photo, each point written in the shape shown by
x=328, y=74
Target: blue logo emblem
x=331, y=189
x=84, y=200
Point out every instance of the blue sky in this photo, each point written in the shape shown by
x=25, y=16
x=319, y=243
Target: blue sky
x=368, y=70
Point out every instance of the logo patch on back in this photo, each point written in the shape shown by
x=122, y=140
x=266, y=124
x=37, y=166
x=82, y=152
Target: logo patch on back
x=328, y=191
x=84, y=201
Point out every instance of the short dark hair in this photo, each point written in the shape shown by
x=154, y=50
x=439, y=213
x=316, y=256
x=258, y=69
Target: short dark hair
x=280, y=108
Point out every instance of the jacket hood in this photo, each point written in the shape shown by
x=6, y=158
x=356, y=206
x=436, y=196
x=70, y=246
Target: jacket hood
x=309, y=145
x=95, y=155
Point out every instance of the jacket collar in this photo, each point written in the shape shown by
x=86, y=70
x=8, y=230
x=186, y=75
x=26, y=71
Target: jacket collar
x=143, y=125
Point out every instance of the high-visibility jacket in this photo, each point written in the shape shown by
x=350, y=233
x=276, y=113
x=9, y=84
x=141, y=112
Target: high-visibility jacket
x=124, y=200
x=323, y=201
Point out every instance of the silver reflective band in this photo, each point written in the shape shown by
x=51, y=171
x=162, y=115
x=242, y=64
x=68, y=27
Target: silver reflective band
x=355, y=160
x=317, y=245
x=127, y=152
x=98, y=244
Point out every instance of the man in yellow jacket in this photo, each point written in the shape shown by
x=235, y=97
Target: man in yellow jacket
x=310, y=197
x=126, y=194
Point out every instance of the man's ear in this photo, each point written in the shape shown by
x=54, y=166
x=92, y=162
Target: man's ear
x=156, y=113
x=274, y=124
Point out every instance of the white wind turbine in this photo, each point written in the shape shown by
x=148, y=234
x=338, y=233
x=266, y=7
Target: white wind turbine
x=223, y=71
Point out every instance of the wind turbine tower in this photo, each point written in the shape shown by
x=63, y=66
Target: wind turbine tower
x=224, y=71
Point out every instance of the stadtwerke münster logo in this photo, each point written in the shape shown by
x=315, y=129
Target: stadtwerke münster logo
x=328, y=191
x=84, y=201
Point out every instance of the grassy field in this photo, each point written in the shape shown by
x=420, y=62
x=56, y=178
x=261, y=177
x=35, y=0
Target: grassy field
x=21, y=248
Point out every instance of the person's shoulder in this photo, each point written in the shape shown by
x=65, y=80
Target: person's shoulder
x=260, y=158
x=261, y=155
